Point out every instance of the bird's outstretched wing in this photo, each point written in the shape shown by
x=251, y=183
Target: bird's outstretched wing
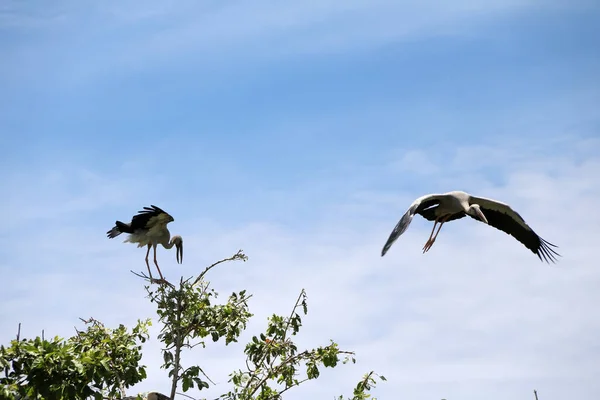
x=501, y=216
x=148, y=217
x=421, y=205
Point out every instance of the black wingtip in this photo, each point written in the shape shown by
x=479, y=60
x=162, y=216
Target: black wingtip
x=385, y=249
x=546, y=253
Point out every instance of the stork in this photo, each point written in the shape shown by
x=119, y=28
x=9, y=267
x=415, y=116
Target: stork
x=442, y=208
x=149, y=228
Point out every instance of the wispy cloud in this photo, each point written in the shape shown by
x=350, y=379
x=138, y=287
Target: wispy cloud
x=113, y=37
x=479, y=308
x=301, y=133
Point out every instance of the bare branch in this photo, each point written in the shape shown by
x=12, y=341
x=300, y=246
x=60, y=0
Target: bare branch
x=295, y=384
x=287, y=326
x=178, y=345
x=237, y=256
x=185, y=395
x=141, y=275
x=90, y=320
x=152, y=280
x=535, y=394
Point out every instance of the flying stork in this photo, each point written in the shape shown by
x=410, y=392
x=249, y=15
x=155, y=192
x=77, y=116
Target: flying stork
x=447, y=207
x=149, y=228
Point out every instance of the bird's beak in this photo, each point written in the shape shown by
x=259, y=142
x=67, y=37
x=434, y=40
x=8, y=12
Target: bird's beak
x=481, y=216
x=179, y=253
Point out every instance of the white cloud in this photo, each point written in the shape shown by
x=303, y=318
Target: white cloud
x=477, y=315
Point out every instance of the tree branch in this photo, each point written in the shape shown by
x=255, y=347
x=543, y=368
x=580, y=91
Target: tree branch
x=178, y=345
x=237, y=256
x=185, y=395
x=203, y=373
x=152, y=280
x=264, y=356
x=295, y=384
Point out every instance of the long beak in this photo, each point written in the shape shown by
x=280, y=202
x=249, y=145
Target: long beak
x=482, y=216
x=179, y=253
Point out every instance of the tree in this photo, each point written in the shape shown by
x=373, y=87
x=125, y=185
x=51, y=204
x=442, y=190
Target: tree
x=101, y=363
x=97, y=362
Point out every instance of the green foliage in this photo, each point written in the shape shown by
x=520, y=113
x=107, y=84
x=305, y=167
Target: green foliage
x=100, y=363
x=96, y=362
x=274, y=364
x=361, y=391
x=188, y=316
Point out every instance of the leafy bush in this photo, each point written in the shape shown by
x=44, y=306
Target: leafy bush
x=101, y=363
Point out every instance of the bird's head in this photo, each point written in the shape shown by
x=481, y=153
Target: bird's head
x=475, y=211
x=178, y=247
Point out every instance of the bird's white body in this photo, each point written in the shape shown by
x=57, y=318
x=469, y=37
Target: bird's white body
x=158, y=233
x=453, y=202
x=151, y=238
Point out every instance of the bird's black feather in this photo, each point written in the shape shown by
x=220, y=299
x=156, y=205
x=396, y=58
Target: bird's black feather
x=140, y=220
x=123, y=227
x=427, y=204
x=429, y=214
x=428, y=208
x=528, y=237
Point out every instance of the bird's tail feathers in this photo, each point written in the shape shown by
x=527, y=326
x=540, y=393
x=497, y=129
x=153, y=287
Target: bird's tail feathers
x=113, y=233
x=120, y=227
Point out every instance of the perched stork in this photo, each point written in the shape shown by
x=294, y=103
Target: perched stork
x=149, y=228
x=446, y=207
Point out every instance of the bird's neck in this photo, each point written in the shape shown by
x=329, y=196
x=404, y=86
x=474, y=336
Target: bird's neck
x=170, y=244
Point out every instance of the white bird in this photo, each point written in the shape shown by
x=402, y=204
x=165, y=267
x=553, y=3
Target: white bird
x=446, y=207
x=149, y=228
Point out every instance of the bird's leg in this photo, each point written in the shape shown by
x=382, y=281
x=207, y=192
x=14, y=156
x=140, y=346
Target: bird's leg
x=156, y=263
x=148, y=265
x=432, y=240
x=440, y=227
x=430, y=236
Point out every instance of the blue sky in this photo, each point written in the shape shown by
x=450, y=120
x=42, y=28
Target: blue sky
x=301, y=133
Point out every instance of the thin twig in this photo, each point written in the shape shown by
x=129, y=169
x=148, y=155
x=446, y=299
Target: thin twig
x=264, y=356
x=203, y=373
x=535, y=394
x=17, y=346
x=289, y=321
x=90, y=320
x=237, y=256
x=293, y=385
x=152, y=280
x=185, y=395
x=178, y=346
